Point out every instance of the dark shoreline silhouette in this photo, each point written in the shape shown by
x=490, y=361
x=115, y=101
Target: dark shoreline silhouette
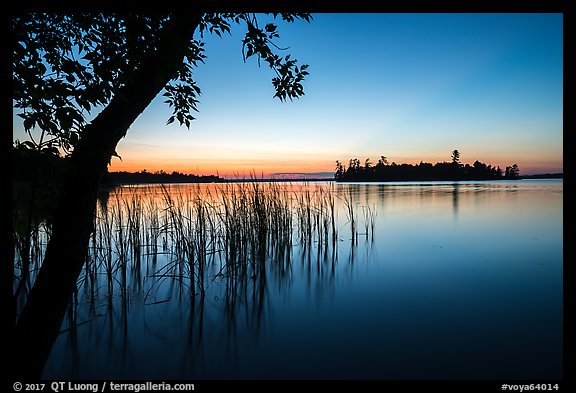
x=126, y=178
x=51, y=168
x=143, y=177
x=424, y=171
x=544, y=176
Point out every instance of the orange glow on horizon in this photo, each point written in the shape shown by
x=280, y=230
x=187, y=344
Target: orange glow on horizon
x=229, y=168
x=223, y=168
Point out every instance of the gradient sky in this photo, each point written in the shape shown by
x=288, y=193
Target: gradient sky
x=412, y=87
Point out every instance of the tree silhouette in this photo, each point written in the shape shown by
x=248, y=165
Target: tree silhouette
x=156, y=177
x=512, y=172
x=423, y=171
x=82, y=80
x=339, y=170
x=456, y=157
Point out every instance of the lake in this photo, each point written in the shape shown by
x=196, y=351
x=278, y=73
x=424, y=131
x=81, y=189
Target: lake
x=418, y=281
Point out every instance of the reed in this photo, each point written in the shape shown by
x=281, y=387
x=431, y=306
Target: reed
x=194, y=236
x=369, y=221
x=349, y=203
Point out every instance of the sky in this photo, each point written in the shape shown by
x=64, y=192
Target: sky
x=411, y=87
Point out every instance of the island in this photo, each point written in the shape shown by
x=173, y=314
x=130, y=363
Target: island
x=424, y=171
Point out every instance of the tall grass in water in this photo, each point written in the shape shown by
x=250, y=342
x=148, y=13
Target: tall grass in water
x=195, y=235
x=348, y=199
x=30, y=236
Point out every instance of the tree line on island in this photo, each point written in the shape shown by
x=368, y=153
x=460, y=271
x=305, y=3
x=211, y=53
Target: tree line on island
x=123, y=177
x=453, y=170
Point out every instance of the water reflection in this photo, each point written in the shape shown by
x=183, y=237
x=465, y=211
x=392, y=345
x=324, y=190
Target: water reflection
x=455, y=193
x=321, y=281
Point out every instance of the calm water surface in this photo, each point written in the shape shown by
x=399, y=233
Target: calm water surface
x=456, y=281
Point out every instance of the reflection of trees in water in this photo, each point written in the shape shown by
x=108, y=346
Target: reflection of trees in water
x=455, y=193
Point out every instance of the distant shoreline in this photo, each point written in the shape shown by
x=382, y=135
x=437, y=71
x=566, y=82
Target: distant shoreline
x=525, y=177
x=135, y=178
x=544, y=176
x=537, y=176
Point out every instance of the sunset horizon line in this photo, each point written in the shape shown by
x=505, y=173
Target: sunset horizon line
x=259, y=174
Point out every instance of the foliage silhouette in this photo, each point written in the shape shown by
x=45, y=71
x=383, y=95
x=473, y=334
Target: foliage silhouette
x=423, y=171
x=82, y=79
x=112, y=178
x=36, y=179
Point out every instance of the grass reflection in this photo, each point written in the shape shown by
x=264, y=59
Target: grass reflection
x=227, y=280
x=160, y=242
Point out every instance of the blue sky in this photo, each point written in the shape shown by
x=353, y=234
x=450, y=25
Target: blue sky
x=412, y=87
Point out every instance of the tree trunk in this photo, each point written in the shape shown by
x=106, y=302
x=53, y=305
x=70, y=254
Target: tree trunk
x=39, y=323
